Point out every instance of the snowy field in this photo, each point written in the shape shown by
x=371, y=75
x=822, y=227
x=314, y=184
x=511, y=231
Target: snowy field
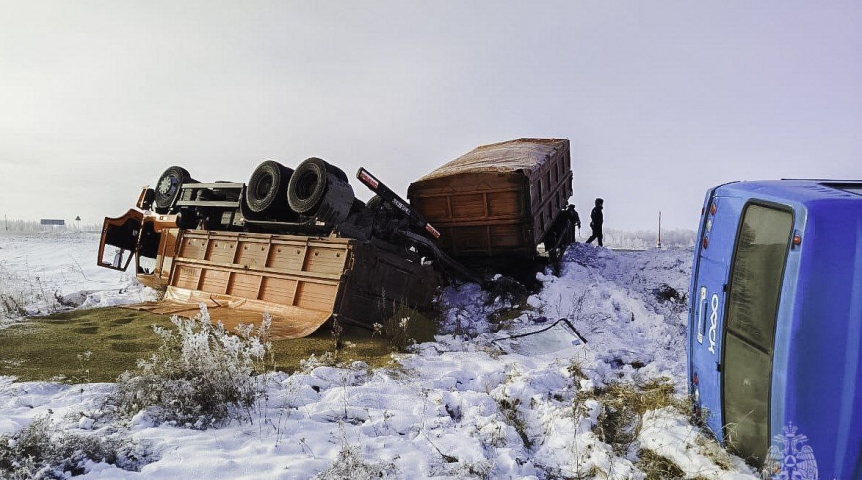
x=482, y=401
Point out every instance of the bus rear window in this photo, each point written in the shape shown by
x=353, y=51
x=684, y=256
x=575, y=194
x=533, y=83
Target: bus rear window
x=756, y=276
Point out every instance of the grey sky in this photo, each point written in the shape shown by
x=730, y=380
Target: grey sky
x=659, y=99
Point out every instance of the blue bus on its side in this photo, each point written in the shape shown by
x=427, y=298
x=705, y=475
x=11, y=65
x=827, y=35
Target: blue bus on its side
x=775, y=325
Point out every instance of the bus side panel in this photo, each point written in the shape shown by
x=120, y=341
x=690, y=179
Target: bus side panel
x=822, y=399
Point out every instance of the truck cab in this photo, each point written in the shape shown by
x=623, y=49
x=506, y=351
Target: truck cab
x=147, y=238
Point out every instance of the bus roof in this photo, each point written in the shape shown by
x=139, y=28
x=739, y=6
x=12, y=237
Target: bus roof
x=802, y=191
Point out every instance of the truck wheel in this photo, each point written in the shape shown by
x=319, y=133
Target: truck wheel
x=168, y=187
x=265, y=190
x=307, y=185
x=320, y=190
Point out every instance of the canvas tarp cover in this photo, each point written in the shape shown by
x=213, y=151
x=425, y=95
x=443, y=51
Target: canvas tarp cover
x=526, y=154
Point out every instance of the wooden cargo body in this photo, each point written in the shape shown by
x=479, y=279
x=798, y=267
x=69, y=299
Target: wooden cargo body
x=499, y=199
x=301, y=281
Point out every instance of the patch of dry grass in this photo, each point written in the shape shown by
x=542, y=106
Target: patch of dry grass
x=623, y=406
x=657, y=467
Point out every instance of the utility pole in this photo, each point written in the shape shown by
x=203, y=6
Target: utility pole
x=659, y=229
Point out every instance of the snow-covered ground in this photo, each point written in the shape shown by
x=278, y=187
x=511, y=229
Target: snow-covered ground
x=482, y=401
x=40, y=272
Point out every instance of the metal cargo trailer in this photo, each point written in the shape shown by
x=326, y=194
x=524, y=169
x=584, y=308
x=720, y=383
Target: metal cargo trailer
x=499, y=199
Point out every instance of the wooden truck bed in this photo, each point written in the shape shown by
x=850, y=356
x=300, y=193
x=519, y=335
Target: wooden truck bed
x=301, y=281
x=498, y=199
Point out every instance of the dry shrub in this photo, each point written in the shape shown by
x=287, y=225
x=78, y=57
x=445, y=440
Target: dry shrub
x=509, y=410
x=623, y=407
x=657, y=467
x=395, y=330
x=576, y=371
x=349, y=465
x=201, y=375
x=42, y=450
x=12, y=296
x=406, y=326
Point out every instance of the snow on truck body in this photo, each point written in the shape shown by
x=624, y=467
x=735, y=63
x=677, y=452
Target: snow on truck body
x=775, y=324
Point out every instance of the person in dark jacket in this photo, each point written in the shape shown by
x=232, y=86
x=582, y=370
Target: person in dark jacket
x=574, y=220
x=597, y=218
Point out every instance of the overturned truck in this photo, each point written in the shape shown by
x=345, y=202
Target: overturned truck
x=298, y=245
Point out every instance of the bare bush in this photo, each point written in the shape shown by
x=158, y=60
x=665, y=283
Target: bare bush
x=395, y=330
x=202, y=376
x=23, y=293
x=43, y=450
x=349, y=465
x=623, y=406
x=12, y=297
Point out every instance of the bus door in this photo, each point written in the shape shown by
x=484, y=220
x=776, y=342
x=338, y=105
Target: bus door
x=756, y=275
x=708, y=297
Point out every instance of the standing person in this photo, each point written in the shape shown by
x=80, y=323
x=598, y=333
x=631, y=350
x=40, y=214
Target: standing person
x=574, y=220
x=597, y=218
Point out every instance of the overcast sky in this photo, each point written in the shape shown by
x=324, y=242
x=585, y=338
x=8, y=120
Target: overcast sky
x=660, y=100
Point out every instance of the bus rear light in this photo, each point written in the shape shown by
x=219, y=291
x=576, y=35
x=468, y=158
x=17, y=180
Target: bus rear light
x=705, y=242
x=797, y=240
x=712, y=209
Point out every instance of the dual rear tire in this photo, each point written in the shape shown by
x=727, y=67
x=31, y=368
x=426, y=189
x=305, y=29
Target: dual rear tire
x=320, y=190
x=266, y=190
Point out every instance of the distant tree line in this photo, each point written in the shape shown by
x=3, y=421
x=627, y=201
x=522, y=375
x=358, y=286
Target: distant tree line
x=643, y=239
x=32, y=226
